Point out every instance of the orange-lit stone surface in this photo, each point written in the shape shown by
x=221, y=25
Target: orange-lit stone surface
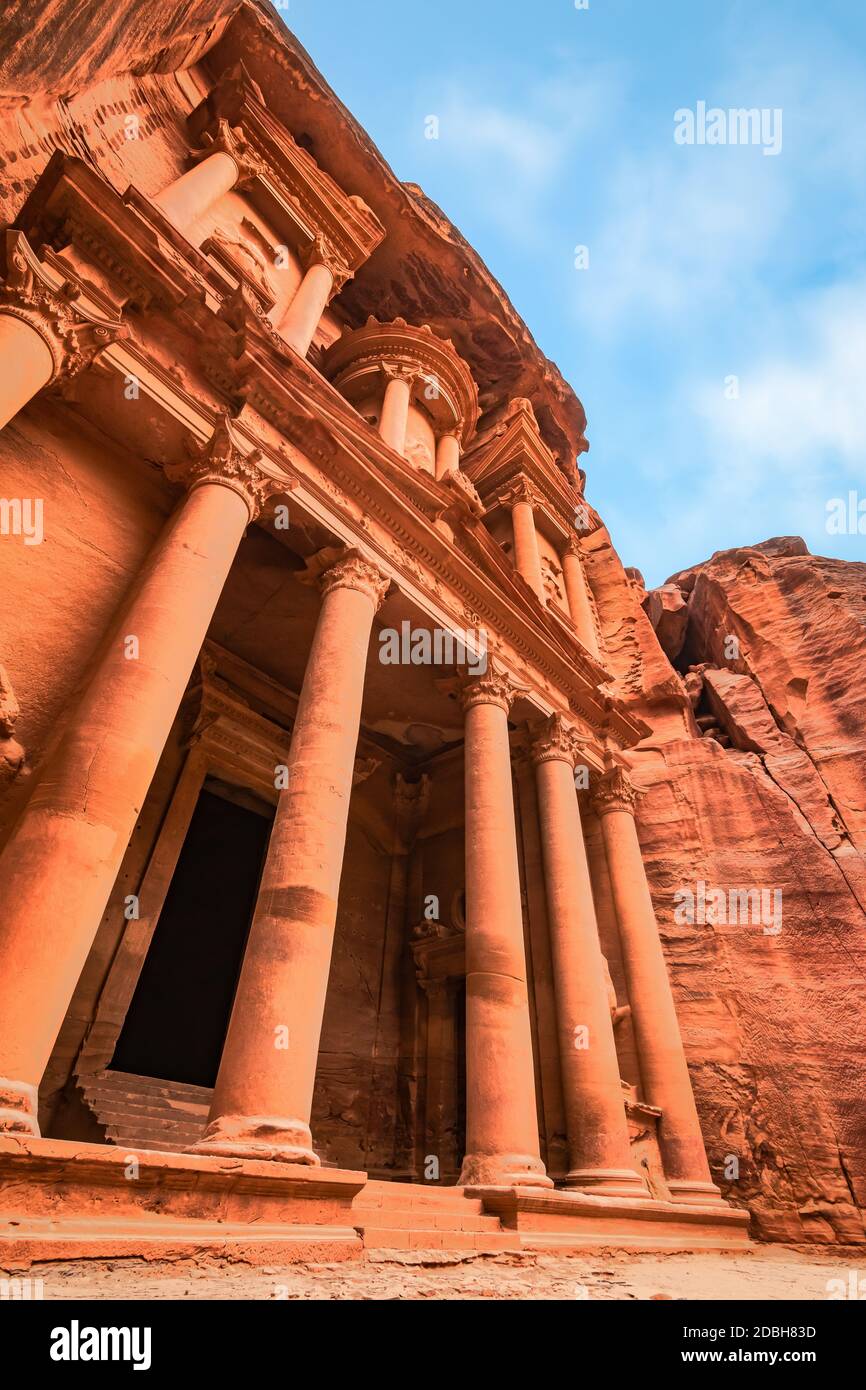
x=317, y=681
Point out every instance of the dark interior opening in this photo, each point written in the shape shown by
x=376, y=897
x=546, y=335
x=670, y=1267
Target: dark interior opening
x=176, y=1022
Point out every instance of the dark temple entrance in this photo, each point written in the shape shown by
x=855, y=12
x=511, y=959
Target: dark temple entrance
x=176, y=1023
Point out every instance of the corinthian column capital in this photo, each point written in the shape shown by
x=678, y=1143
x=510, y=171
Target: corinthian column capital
x=400, y=371
x=615, y=791
x=222, y=461
x=323, y=252
x=230, y=140
x=556, y=741
x=521, y=490
x=71, y=333
x=494, y=688
x=354, y=571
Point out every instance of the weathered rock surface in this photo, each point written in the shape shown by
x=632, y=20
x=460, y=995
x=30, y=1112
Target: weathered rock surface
x=773, y=1023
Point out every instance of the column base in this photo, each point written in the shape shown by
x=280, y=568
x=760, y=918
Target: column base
x=607, y=1182
x=19, y=1108
x=503, y=1170
x=684, y=1190
x=257, y=1136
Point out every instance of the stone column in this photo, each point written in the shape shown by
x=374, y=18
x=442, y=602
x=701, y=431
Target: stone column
x=264, y=1090
x=326, y=274
x=447, y=454
x=227, y=162
x=598, y=1142
x=661, y=1056
x=395, y=406
x=502, y=1147
x=58, y=869
x=42, y=335
x=579, y=602
x=527, y=560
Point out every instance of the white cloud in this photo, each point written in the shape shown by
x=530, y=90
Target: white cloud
x=802, y=407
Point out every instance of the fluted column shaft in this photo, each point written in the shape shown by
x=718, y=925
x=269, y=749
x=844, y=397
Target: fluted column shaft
x=502, y=1146
x=579, y=604
x=598, y=1141
x=58, y=869
x=664, y=1070
x=264, y=1090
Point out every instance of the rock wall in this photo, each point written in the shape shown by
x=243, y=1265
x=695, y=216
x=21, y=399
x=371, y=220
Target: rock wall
x=755, y=781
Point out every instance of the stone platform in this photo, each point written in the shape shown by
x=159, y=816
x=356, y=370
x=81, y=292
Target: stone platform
x=62, y=1200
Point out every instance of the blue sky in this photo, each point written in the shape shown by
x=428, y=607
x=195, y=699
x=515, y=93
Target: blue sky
x=707, y=263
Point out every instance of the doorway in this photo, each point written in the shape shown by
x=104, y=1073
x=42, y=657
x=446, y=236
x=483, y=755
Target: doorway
x=177, y=1019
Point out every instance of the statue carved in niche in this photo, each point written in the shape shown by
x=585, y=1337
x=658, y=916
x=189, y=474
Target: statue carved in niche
x=551, y=575
x=419, y=455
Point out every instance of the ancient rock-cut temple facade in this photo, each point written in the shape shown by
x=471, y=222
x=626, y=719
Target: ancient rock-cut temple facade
x=322, y=895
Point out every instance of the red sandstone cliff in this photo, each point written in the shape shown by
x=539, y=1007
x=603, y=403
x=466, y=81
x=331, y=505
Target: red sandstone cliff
x=755, y=778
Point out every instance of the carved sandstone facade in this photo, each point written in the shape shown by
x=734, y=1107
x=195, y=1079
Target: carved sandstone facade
x=286, y=921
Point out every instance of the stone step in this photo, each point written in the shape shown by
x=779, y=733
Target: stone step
x=135, y=1143
x=148, y=1085
x=480, y=1242
x=112, y=1106
x=417, y=1219
x=146, y=1112
x=410, y=1196
x=129, y=1132
x=133, y=1135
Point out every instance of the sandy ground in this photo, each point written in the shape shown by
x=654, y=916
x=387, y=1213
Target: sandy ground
x=762, y=1273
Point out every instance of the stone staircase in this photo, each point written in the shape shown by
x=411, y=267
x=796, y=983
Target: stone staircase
x=142, y=1112
x=407, y=1216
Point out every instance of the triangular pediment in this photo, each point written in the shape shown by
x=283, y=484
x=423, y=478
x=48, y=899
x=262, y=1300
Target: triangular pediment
x=511, y=450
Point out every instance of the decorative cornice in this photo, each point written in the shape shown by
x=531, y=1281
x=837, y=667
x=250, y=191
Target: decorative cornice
x=557, y=741
x=354, y=571
x=492, y=689
x=614, y=791
x=357, y=360
x=72, y=334
x=227, y=139
x=222, y=461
